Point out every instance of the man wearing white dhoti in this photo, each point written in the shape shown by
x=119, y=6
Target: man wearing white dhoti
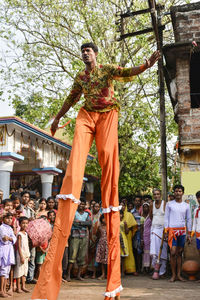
x=157, y=212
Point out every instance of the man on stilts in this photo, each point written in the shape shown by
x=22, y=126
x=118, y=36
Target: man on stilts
x=97, y=119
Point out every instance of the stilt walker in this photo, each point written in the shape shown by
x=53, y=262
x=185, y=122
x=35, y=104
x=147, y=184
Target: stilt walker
x=97, y=119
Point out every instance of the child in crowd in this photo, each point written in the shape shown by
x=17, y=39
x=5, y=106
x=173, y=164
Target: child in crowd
x=51, y=204
x=7, y=256
x=7, y=206
x=51, y=217
x=146, y=238
x=42, y=208
x=31, y=204
x=22, y=256
x=123, y=240
x=102, y=247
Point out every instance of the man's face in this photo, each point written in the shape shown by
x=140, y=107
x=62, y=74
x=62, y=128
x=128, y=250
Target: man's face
x=157, y=195
x=198, y=199
x=88, y=55
x=178, y=194
x=25, y=198
x=81, y=206
x=137, y=202
x=37, y=195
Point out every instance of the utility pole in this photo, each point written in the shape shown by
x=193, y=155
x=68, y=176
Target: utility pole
x=156, y=23
x=157, y=28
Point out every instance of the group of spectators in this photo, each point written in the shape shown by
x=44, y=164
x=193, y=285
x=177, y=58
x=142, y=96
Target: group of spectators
x=143, y=221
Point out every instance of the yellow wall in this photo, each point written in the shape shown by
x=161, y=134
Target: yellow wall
x=191, y=182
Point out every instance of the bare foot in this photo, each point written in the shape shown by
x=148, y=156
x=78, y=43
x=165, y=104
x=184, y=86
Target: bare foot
x=172, y=279
x=181, y=279
x=19, y=291
x=93, y=277
x=68, y=278
x=10, y=292
x=80, y=278
x=101, y=277
x=3, y=295
x=25, y=290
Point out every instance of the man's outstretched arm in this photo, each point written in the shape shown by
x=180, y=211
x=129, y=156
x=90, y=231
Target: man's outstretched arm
x=71, y=99
x=133, y=71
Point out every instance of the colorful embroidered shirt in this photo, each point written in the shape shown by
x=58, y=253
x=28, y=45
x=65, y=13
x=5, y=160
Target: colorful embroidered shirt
x=97, y=87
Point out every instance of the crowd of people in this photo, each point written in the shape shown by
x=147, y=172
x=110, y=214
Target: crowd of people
x=144, y=223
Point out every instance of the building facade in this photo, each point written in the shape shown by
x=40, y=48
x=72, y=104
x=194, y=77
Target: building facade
x=182, y=78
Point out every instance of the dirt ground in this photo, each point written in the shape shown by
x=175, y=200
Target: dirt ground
x=135, y=288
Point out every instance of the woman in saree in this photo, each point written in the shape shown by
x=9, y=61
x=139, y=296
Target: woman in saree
x=129, y=263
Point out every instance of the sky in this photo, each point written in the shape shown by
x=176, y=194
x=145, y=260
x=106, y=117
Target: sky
x=5, y=109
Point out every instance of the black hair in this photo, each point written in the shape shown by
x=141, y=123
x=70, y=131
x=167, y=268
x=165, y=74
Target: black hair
x=21, y=219
x=179, y=186
x=7, y=200
x=90, y=45
x=50, y=198
x=51, y=211
x=147, y=197
x=198, y=194
x=25, y=192
x=15, y=196
x=82, y=199
x=42, y=200
x=8, y=214
x=121, y=212
x=101, y=218
x=138, y=196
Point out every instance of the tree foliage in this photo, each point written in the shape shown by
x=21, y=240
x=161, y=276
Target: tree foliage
x=45, y=37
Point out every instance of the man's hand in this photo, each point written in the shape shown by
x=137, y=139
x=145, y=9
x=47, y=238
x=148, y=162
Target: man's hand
x=5, y=238
x=153, y=59
x=22, y=260
x=54, y=126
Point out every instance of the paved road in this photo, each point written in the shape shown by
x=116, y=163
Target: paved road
x=135, y=288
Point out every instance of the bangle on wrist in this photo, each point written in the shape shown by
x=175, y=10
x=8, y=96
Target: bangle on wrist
x=147, y=63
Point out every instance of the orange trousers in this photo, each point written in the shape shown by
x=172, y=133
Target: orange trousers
x=104, y=128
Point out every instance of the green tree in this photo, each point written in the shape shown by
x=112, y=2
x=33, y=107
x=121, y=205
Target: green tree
x=46, y=37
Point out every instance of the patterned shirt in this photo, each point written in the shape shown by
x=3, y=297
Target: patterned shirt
x=80, y=230
x=97, y=87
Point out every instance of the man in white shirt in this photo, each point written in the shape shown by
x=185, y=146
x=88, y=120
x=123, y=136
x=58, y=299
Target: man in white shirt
x=177, y=215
